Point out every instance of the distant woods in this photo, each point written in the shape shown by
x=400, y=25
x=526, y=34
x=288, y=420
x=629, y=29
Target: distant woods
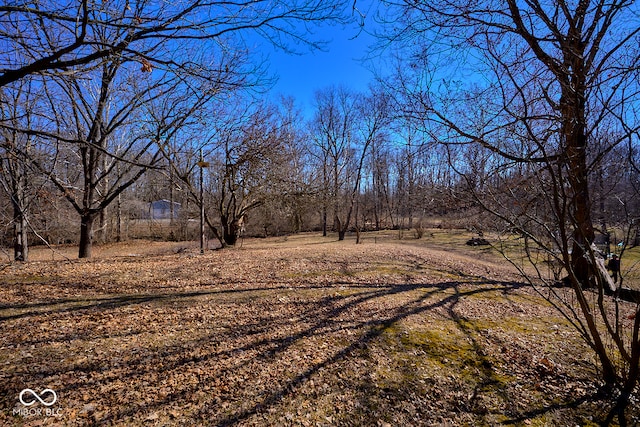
x=106, y=109
x=95, y=95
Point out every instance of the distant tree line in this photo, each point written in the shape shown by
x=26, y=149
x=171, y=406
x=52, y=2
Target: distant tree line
x=353, y=166
x=94, y=93
x=120, y=98
x=358, y=164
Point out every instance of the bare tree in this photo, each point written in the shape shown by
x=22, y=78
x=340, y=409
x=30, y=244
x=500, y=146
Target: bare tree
x=96, y=130
x=334, y=135
x=291, y=194
x=346, y=124
x=103, y=133
x=298, y=194
x=15, y=170
x=551, y=76
x=251, y=168
x=247, y=148
x=69, y=46
x=61, y=36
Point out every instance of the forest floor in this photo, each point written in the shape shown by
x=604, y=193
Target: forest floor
x=301, y=330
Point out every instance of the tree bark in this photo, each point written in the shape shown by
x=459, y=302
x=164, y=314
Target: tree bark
x=573, y=128
x=230, y=230
x=341, y=231
x=86, y=235
x=119, y=220
x=573, y=117
x=20, y=245
x=324, y=221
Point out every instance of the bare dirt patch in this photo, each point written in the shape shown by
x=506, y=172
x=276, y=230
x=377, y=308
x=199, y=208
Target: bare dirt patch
x=298, y=331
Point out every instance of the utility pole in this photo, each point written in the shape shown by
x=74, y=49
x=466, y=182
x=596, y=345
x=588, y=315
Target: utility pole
x=202, y=164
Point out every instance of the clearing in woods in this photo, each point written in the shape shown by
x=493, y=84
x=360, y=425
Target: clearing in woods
x=298, y=331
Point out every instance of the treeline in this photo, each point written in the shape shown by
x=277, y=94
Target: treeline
x=356, y=164
x=127, y=106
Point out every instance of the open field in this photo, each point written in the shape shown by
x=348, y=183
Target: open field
x=301, y=330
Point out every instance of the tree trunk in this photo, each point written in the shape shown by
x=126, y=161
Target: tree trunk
x=230, y=237
x=119, y=220
x=583, y=234
x=324, y=221
x=102, y=227
x=297, y=220
x=86, y=235
x=341, y=231
x=573, y=115
x=20, y=245
x=229, y=230
x=572, y=108
x=18, y=189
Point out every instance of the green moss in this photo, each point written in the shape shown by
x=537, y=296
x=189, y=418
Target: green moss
x=450, y=352
x=29, y=279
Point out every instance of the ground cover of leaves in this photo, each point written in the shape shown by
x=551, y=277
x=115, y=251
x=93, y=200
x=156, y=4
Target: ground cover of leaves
x=299, y=331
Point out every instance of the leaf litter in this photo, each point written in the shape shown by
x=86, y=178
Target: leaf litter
x=292, y=332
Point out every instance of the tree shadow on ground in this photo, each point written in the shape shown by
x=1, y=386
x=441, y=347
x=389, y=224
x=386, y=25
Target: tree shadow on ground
x=251, y=345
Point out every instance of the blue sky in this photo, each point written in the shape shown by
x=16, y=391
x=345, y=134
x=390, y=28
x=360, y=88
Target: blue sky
x=301, y=76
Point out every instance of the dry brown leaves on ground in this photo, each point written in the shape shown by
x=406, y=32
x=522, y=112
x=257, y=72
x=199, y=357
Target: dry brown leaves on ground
x=305, y=332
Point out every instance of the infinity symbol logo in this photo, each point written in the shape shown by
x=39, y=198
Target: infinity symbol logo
x=38, y=398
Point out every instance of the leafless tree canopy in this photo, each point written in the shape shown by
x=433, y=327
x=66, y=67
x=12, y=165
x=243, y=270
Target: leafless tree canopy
x=59, y=36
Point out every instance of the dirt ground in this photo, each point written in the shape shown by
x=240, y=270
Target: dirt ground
x=301, y=330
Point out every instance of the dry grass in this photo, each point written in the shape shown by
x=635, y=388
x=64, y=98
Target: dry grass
x=302, y=330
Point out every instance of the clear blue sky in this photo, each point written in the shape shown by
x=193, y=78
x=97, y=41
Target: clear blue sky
x=300, y=76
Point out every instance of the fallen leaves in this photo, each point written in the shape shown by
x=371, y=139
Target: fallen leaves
x=324, y=334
